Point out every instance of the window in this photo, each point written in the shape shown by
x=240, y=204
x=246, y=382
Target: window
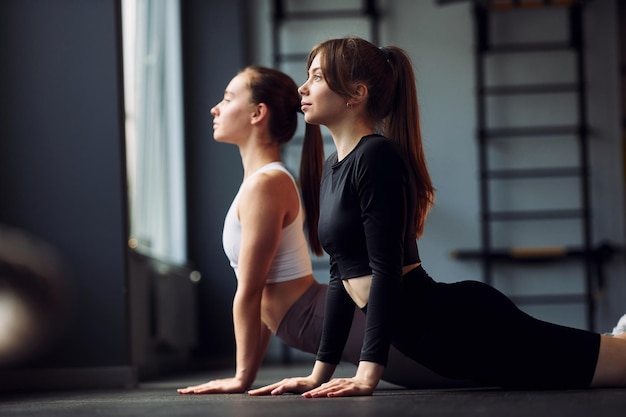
x=154, y=128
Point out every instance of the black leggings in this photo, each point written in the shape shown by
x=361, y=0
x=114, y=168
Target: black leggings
x=469, y=330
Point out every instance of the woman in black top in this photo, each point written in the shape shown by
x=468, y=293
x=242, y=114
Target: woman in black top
x=374, y=196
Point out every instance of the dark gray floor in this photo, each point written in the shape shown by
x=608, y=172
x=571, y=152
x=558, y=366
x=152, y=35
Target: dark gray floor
x=159, y=398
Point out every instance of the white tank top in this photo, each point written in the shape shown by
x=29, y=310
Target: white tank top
x=292, y=258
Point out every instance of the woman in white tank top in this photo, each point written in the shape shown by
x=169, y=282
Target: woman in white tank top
x=265, y=241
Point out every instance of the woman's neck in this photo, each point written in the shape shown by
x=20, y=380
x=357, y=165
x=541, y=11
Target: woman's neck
x=254, y=157
x=346, y=139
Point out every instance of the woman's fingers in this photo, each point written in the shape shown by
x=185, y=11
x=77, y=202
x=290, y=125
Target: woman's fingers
x=292, y=385
x=272, y=389
x=229, y=385
x=340, y=388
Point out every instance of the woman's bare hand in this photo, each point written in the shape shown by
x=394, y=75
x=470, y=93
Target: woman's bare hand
x=217, y=386
x=341, y=387
x=363, y=383
x=296, y=385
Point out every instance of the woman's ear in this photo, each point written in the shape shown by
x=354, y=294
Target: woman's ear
x=260, y=113
x=360, y=93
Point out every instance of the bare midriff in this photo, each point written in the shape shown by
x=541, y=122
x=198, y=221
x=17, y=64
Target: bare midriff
x=279, y=297
x=359, y=287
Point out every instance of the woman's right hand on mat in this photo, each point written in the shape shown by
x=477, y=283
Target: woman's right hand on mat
x=227, y=385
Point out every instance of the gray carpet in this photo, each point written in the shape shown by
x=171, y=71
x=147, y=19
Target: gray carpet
x=159, y=398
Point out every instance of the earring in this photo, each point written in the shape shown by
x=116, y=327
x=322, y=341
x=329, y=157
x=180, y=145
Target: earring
x=349, y=106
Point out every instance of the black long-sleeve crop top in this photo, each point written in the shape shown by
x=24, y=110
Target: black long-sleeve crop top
x=367, y=226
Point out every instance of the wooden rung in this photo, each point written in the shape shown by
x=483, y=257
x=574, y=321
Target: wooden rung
x=538, y=252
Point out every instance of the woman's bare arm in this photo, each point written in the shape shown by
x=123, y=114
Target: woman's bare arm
x=263, y=207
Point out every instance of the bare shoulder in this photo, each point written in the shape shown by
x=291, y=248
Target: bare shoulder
x=271, y=187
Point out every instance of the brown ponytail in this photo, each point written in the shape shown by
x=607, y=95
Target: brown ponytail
x=311, y=164
x=402, y=125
